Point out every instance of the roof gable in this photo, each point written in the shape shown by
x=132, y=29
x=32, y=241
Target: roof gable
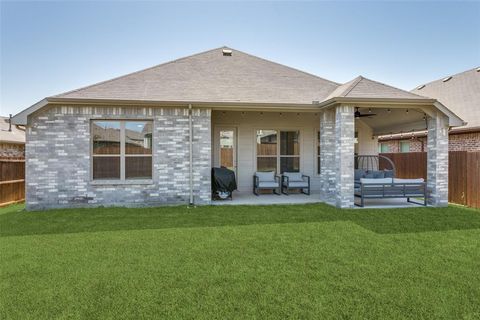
x=212, y=76
x=361, y=87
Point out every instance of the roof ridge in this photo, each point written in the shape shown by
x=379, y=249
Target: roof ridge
x=285, y=66
x=354, y=83
x=135, y=72
x=441, y=78
x=386, y=85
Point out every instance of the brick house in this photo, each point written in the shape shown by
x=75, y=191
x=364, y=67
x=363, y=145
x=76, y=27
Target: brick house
x=461, y=94
x=12, y=140
x=151, y=137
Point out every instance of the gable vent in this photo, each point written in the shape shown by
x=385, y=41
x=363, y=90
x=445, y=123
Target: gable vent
x=227, y=52
x=446, y=79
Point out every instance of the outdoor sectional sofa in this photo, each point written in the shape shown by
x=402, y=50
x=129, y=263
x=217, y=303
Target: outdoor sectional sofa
x=380, y=184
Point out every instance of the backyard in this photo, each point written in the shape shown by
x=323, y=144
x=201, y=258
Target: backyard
x=239, y=262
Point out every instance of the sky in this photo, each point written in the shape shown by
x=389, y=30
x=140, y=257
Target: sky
x=47, y=48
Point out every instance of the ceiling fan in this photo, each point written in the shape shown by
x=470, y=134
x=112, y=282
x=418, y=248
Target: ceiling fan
x=359, y=115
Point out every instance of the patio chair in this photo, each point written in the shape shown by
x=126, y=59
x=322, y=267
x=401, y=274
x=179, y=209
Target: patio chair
x=295, y=180
x=266, y=180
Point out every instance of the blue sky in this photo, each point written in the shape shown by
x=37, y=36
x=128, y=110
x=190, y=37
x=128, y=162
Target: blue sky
x=51, y=47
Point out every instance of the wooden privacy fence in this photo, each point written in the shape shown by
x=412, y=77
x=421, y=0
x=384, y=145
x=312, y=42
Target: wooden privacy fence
x=463, y=173
x=12, y=181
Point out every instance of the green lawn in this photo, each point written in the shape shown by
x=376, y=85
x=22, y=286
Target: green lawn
x=264, y=262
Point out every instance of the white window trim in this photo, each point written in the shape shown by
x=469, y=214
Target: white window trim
x=278, y=155
x=122, y=155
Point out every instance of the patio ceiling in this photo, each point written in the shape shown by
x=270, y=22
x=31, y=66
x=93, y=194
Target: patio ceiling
x=393, y=120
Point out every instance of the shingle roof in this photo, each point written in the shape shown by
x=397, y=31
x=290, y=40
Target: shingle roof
x=361, y=87
x=461, y=94
x=14, y=136
x=212, y=77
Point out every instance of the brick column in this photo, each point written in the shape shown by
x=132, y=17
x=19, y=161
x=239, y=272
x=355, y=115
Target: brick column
x=344, y=156
x=327, y=156
x=437, y=161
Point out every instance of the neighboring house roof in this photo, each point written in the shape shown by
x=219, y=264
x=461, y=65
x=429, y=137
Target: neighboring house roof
x=361, y=87
x=460, y=93
x=16, y=136
x=227, y=77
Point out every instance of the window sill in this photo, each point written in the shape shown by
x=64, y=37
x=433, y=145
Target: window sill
x=120, y=182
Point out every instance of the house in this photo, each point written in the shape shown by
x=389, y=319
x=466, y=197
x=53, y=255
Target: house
x=12, y=139
x=151, y=137
x=461, y=94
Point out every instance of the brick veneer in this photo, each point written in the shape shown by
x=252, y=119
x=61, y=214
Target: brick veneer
x=10, y=150
x=58, y=158
x=468, y=141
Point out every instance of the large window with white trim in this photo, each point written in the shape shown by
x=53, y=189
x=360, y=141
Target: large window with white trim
x=121, y=150
x=278, y=150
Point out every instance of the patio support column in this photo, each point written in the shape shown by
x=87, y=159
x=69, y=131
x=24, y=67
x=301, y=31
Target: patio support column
x=327, y=156
x=437, y=160
x=344, y=156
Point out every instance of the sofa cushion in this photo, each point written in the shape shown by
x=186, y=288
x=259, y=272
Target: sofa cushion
x=293, y=176
x=297, y=184
x=398, y=180
x=388, y=173
x=375, y=174
x=265, y=176
x=268, y=184
x=359, y=173
x=377, y=181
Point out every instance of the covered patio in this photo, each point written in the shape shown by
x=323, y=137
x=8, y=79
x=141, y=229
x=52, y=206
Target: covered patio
x=248, y=198
x=322, y=141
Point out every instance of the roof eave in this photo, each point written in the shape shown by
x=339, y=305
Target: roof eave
x=21, y=117
x=376, y=101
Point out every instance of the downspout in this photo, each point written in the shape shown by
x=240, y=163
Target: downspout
x=190, y=153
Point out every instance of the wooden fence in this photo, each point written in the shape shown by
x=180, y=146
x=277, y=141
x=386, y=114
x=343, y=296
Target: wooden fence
x=12, y=181
x=463, y=173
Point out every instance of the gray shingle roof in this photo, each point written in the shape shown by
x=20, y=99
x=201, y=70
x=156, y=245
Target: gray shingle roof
x=212, y=77
x=361, y=87
x=15, y=136
x=461, y=94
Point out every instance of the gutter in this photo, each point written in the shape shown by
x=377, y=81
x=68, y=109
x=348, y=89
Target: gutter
x=190, y=152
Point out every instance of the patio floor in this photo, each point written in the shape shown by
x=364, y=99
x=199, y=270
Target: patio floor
x=248, y=198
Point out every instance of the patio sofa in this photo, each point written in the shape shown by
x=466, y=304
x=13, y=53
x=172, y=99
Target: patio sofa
x=381, y=184
x=266, y=180
x=295, y=180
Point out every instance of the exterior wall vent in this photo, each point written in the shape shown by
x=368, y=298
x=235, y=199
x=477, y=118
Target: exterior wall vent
x=446, y=79
x=227, y=52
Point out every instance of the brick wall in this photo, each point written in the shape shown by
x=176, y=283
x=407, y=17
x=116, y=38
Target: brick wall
x=457, y=142
x=10, y=150
x=464, y=142
x=58, y=166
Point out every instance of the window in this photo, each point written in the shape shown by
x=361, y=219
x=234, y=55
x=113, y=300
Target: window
x=279, y=157
x=121, y=150
x=404, y=146
x=384, y=148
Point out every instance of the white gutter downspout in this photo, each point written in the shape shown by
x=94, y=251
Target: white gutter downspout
x=190, y=153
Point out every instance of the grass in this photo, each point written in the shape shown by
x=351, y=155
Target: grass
x=263, y=262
